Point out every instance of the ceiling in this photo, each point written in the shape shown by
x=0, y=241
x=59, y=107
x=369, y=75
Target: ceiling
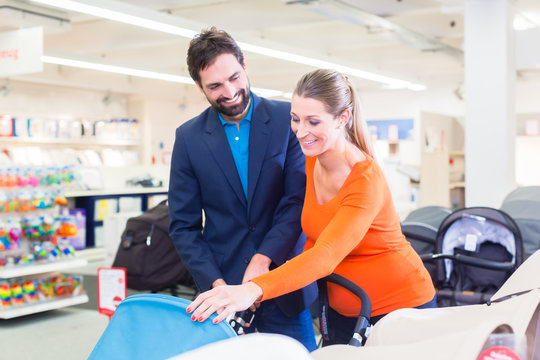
x=419, y=41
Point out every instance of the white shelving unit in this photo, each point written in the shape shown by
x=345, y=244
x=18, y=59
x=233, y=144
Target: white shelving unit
x=39, y=306
x=72, y=142
x=442, y=184
x=21, y=310
x=25, y=270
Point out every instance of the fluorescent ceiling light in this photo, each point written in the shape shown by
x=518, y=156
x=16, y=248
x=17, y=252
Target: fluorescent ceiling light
x=524, y=21
x=119, y=17
x=113, y=15
x=116, y=69
x=122, y=70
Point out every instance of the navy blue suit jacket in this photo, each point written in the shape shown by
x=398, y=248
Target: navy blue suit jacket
x=204, y=177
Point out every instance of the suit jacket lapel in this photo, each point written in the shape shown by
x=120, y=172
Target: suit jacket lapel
x=217, y=142
x=259, y=136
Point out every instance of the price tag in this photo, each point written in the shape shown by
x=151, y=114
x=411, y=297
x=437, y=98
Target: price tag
x=470, y=242
x=112, y=289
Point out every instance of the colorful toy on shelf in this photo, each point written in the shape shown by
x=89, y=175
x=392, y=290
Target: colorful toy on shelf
x=68, y=227
x=4, y=201
x=46, y=289
x=30, y=227
x=10, y=178
x=60, y=199
x=4, y=242
x=17, y=296
x=39, y=201
x=25, y=201
x=5, y=293
x=29, y=291
x=22, y=259
x=66, y=248
x=53, y=177
x=33, y=179
x=48, y=226
x=68, y=174
x=22, y=178
x=13, y=202
x=10, y=233
x=40, y=253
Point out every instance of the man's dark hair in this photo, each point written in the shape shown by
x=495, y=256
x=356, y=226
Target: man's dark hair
x=205, y=47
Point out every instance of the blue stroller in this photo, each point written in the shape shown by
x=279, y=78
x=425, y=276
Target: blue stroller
x=155, y=326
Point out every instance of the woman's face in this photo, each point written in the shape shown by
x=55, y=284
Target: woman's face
x=316, y=130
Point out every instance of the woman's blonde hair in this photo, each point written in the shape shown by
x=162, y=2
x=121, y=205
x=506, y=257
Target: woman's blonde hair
x=337, y=94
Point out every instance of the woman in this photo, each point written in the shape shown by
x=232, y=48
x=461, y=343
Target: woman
x=349, y=218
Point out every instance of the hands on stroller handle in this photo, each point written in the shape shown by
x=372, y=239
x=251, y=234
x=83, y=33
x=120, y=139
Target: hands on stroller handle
x=224, y=301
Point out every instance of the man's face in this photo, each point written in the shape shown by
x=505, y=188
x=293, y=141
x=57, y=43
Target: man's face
x=226, y=86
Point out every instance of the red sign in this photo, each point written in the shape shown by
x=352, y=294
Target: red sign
x=21, y=51
x=498, y=353
x=112, y=289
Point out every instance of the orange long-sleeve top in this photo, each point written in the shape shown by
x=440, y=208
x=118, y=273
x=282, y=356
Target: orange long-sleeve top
x=356, y=234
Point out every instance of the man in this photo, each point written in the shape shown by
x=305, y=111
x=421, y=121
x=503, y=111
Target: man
x=240, y=163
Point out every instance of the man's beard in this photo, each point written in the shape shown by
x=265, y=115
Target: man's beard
x=235, y=110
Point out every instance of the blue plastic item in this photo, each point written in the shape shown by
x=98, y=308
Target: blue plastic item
x=154, y=326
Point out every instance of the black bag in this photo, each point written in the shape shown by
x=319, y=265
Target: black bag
x=148, y=254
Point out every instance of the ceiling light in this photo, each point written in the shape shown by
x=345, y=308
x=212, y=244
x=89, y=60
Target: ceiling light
x=118, y=16
x=116, y=69
x=524, y=21
x=104, y=10
x=122, y=70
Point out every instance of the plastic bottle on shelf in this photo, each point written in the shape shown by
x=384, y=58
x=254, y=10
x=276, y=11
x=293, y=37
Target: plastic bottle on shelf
x=6, y=125
x=99, y=129
x=75, y=129
x=134, y=133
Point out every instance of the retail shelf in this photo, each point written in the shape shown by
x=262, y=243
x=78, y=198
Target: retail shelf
x=456, y=185
x=72, y=142
x=122, y=191
x=21, y=310
x=23, y=270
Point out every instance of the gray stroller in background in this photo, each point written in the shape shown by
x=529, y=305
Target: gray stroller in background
x=477, y=249
x=523, y=205
x=420, y=228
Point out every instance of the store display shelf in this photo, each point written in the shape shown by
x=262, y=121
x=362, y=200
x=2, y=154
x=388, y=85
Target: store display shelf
x=122, y=191
x=73, y=142
x=457, y=184
x=16, y=311
x=23, y=270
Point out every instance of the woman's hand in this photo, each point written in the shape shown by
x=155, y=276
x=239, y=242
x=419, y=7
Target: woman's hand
x=224, y=300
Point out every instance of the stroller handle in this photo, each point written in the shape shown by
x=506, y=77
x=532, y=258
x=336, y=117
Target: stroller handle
x=469, y=260
x=361, y=329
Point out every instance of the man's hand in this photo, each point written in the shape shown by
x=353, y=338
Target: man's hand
x=218, y=282
x=259, y=264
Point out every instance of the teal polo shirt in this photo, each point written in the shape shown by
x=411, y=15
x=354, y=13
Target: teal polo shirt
x=238, y=137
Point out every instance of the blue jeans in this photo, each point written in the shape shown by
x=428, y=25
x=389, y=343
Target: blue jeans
x=270, y=319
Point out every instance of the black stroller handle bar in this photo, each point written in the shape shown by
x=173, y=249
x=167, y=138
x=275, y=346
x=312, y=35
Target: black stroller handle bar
x=361, y=329
x=469, y=260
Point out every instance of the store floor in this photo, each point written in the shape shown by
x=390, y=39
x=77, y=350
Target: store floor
x=64, y=334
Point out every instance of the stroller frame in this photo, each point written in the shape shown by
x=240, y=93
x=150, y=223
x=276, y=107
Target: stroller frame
x=452, y=294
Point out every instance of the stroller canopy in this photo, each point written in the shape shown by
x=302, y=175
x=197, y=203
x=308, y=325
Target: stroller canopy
x=523, y=205
x=469, y=228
